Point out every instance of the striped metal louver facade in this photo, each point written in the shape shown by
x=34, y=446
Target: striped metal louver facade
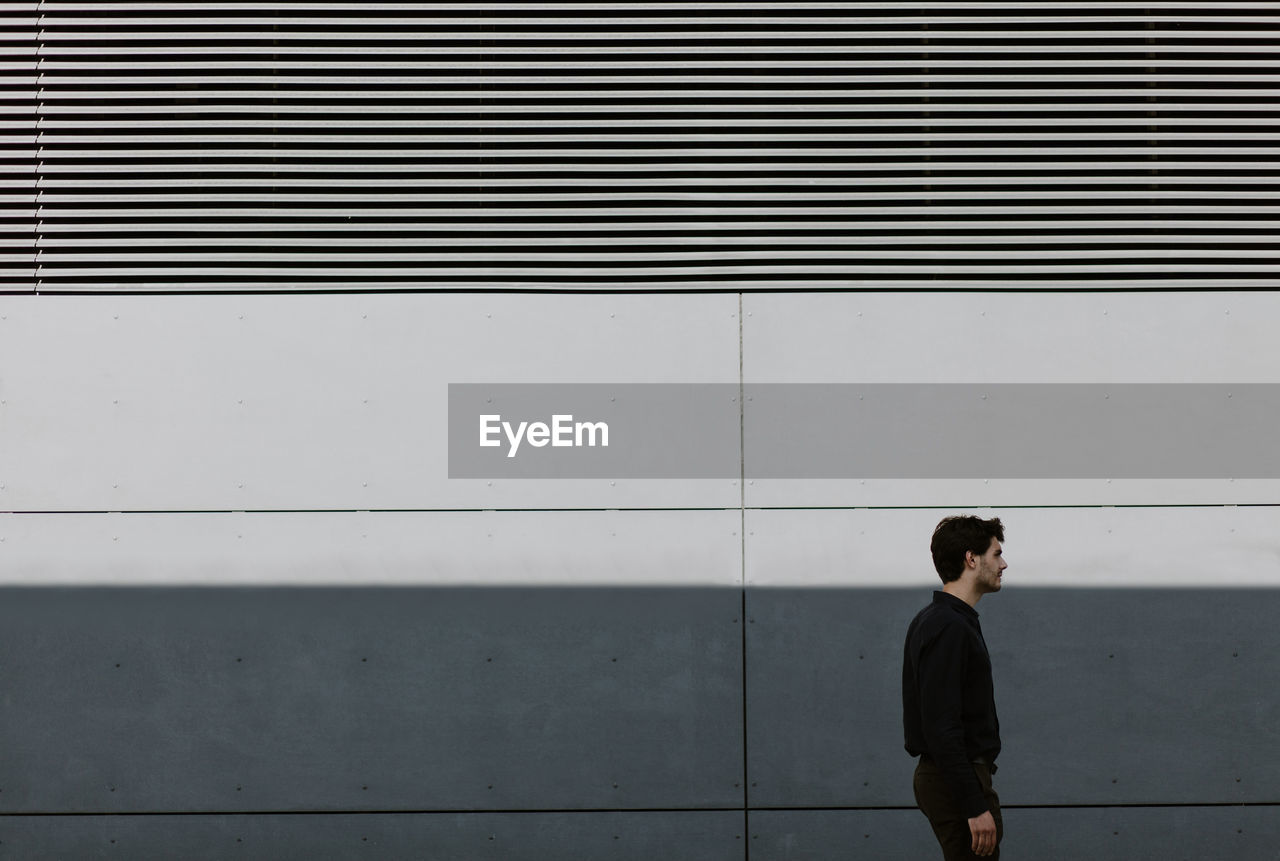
x=18, y=146
x=721, y=144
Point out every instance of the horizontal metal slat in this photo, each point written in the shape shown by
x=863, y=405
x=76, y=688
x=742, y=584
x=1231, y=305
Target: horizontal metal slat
x=716, y=239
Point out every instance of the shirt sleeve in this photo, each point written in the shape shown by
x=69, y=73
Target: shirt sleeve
x=942, y=667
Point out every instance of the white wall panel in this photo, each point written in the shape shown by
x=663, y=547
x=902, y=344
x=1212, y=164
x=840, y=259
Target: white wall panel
x=1207, y=547
x=471, y=548
x=1011, y=338
x=115, y=403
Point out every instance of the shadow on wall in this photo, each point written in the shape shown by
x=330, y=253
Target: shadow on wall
x=615, y=722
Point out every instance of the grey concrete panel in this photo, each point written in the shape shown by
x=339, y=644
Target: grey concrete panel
x=824, y=702
x=155, y=699
x=1042, y=834
x=1106, y=696
x=374, y=548
x=306, y=402
x=822, y=835
x=865, y=337
x=672, y=836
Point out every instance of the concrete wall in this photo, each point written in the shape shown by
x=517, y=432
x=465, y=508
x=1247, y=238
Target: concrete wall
x=245, y=614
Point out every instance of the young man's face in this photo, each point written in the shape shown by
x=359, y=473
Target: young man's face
x=990, y=564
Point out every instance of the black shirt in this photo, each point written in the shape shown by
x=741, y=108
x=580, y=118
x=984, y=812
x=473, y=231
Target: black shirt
x=948, y=701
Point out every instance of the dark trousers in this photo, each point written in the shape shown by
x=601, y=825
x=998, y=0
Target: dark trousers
x=950, y=825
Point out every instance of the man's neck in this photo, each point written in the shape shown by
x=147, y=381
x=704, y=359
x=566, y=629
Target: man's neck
x=964, y=591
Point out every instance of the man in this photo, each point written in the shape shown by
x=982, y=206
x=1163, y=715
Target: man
x=948, y=701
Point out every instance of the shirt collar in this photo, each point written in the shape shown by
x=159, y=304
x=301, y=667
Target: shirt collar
x=949, y=600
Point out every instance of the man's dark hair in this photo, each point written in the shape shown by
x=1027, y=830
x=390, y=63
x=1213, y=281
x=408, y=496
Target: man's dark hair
x=954, y=536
